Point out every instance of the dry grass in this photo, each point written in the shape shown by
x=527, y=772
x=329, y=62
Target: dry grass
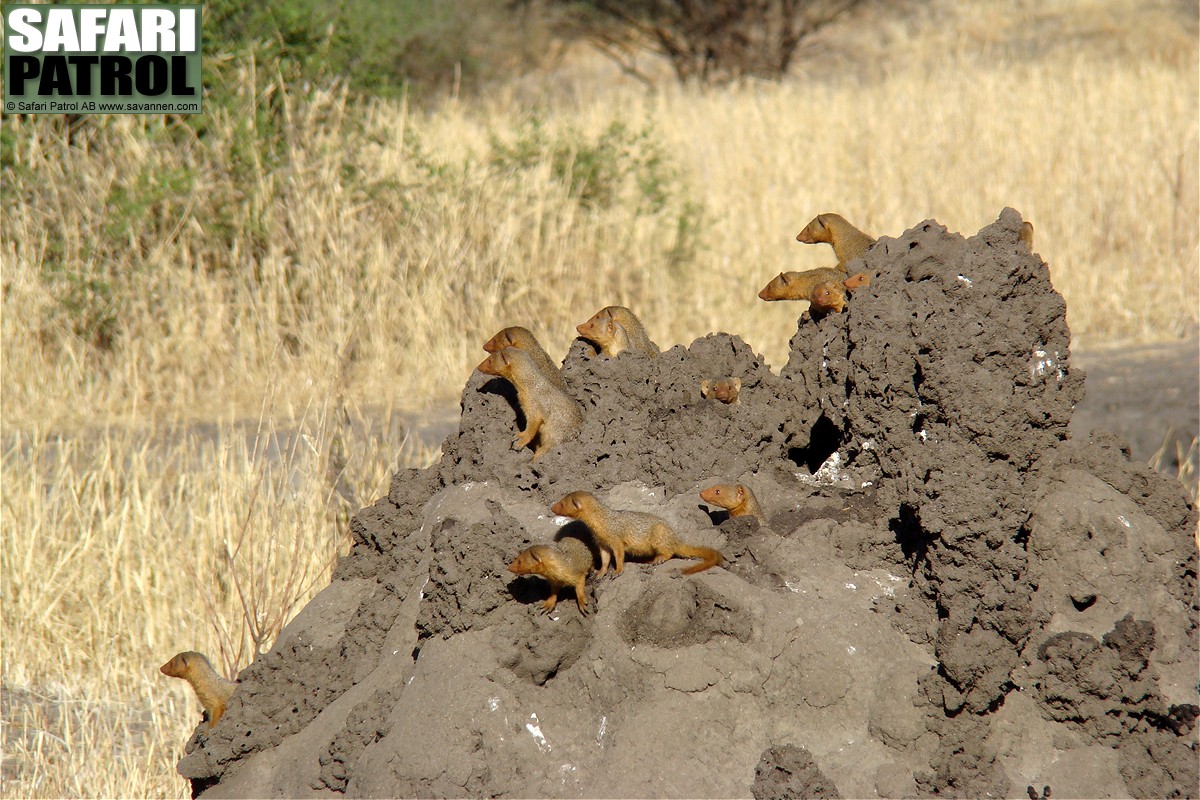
x=360, y=271
x=124, y=548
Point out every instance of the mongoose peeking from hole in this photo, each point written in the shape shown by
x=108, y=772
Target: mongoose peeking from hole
x=564, y=564
x=632, y=533
x=212, y=689
x=724, y=389
x=523, y=339
x=736, y=498
x=615, y=329
x=551, y=414
x=848, y=242
x=825, y=289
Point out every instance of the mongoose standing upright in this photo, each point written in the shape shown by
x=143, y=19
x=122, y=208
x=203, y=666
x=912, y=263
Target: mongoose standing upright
x=633, y=533
x=724, y=389
x=736, y=498
x=824, y=288
x=848, y=241
x=564, y=564
x=551, y=414
x=523, y=339
x=212, y=690
x=615, y=329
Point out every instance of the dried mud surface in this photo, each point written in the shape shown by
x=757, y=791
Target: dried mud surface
x=953, y=596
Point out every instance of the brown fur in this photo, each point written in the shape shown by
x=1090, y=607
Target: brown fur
x=615, y=329
x=848, y=241
x=564, y=564
x=1026, y=235
x=212, y=690
x=632, y=533
x=523, y=339
x=824, y=288
x=736, y=498
x=551, y=414
x=724, y=389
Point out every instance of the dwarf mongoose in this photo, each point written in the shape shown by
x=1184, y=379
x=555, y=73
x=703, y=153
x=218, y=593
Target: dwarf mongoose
x=724, y=389
x=736, y=498
x=523, y=339
x=615, y=329
x=632, y=533
x=551, y=414
x=848, y=241
x=825, y=289
x=211, y=689
x=564, y=564
x=1026, y=235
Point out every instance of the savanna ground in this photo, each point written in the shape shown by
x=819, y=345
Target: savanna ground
x=207, y=342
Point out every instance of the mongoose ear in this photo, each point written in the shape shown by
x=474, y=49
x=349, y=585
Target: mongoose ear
x=737, y=384
x=704, y=389
x=741, y=493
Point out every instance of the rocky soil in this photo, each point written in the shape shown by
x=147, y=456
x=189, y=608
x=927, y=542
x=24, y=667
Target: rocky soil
x=954, y=595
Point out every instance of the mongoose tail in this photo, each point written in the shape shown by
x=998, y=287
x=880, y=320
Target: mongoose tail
x=710, y=557
x=212, y=689
x=724, y=389
x=848, y=242
x=563, y=566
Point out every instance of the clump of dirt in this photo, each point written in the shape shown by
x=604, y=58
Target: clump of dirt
x=951, y=597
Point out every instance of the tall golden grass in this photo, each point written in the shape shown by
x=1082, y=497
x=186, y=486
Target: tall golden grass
x=325, y=281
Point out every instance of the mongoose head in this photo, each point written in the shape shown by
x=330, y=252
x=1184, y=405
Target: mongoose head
x=857, y=281
x=827, y=297
x=817, y=231
x=514, y=336
x=725, y=495
x=574, y=504
x=724, y=389
x=528, y=562
x=601, y=328
x=498, y=363
x=780, y=287
x=183, y=664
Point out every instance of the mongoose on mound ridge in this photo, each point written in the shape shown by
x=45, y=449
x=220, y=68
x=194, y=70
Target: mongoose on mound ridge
x=212, y=690
x=564, y=564
x=848, y=241
x=615, y=329
x=724, y=389
x=1026, y=235
x=523, y=339
x=825, y=289
x=736, y=498
x=633, y=533
x=551, y=414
